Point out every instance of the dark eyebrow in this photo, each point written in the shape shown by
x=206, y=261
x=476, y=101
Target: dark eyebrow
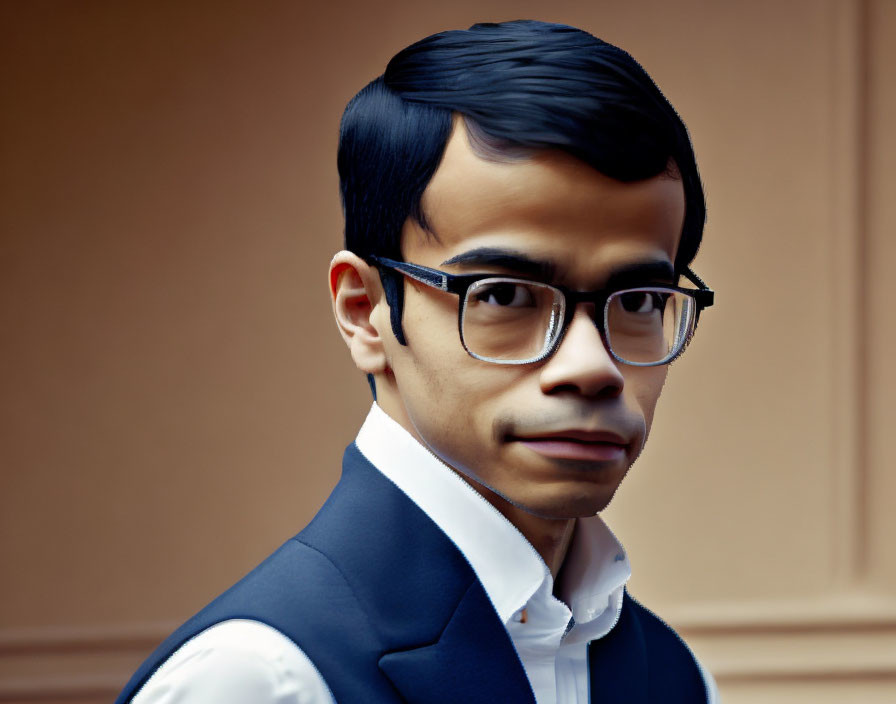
x=512, y=260
x=639, y=273
x=630, y=274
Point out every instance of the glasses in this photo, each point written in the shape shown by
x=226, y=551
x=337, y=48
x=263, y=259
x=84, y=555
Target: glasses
x=508, y=320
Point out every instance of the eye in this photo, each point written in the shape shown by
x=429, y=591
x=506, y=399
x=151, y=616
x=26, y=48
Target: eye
x=642, y=301
x=505, y=293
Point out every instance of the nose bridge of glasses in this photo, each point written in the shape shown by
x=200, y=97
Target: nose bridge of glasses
x=594, y=303
x=595, y=316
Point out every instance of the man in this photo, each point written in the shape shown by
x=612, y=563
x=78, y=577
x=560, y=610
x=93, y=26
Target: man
x=521, y=203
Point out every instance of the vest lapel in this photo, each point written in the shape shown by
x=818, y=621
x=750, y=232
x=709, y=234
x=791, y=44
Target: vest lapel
x=617, y=663
x=473, y=661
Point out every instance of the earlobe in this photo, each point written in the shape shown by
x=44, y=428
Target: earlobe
x=356, y=294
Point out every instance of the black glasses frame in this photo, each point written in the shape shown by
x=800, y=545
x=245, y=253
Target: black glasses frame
x=459, y=284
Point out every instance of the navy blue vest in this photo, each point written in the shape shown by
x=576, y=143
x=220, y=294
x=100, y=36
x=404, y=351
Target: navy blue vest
x=389, y=610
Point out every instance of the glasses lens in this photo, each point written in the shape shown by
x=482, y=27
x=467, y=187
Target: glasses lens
x=648, y=325
x=509, y=320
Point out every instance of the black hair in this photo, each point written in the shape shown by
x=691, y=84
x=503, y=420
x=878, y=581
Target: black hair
x=522, y=84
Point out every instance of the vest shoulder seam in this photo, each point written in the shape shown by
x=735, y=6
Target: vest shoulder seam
x=348, y=584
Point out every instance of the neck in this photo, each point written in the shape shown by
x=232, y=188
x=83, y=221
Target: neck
x=550, y=537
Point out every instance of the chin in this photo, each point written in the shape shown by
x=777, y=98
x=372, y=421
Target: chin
x=565, y=507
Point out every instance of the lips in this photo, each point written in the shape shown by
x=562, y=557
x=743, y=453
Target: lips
x=587, y=445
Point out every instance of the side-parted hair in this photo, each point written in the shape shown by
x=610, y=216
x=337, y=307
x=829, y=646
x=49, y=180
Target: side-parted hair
x=522, y=85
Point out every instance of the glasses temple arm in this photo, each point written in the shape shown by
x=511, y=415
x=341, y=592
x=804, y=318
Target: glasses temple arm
x=705, y=296
x=423, y=274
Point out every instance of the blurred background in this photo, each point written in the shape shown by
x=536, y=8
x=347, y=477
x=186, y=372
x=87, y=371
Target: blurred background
x=176, y=398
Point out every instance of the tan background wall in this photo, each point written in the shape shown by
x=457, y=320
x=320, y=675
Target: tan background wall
x=175, y=397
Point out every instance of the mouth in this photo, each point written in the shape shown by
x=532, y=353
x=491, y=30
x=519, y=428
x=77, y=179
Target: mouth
x=578, y=445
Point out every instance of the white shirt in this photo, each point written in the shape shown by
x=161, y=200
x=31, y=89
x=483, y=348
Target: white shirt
x=240, y=661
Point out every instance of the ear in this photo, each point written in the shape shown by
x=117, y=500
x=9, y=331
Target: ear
x=357, y=296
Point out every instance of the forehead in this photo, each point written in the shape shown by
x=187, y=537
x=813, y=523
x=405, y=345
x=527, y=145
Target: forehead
x=550, y=206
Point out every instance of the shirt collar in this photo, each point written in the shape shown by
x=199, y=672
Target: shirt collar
x=595, y=573
x=509, y=568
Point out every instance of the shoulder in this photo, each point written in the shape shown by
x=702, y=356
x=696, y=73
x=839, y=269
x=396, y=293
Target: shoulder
x=255, y=635
x=238, y=660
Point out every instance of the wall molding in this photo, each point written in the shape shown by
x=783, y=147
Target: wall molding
x=853, y=637
x=842, y=652
x=73, y=663
x=847, y=127
x=83, y=638
x=835, y=637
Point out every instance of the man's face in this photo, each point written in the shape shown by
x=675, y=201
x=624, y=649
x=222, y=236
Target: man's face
x=531, y=433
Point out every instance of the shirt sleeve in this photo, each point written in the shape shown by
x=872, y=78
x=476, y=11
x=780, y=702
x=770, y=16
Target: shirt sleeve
x=236, y=662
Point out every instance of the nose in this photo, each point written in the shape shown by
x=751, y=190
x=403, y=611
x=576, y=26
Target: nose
x=582, y=363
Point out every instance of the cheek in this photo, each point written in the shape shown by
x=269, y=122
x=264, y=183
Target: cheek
x=451, y=398
x=646, y=384
x=431, y=371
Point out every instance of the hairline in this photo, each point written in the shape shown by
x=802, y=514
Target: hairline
x=500, y=151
